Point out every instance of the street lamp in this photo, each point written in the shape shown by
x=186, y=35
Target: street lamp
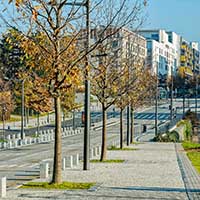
x=156, y=101
x=128, y=125
x=22, y=112
x=196, y=93
x=171, y=100
x=3, y=119
x=86, y=146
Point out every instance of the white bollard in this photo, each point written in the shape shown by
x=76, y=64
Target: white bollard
x=10, y=144
x=44, y=170
x=98, y=150
x=13, y=136
x=3, y=187
x=91, y=153
x=76, y=159
x=69, y=161
x=4, y=145
x=25, y=141
x=15, y=143
x=63, y=164
x=8, y=137
x=18, y=136
x=94, y=151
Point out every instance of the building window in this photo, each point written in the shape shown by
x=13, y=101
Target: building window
x=155, y=37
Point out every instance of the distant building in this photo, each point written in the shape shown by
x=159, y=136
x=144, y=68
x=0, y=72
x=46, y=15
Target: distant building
x=190, y=57
x=196, y=58
x=122, y=44
x=171, y=53
x=163, y=52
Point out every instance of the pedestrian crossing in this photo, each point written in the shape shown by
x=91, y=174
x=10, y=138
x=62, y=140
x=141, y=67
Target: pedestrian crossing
x=151, y=116
x=15, y=166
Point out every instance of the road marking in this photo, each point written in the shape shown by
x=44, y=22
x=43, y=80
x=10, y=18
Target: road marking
x=12, y=166
x=24, y=165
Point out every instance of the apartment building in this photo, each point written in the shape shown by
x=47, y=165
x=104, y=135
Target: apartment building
x=120, y=45
x=163, y=52
x=171, y=53
x=190, y=57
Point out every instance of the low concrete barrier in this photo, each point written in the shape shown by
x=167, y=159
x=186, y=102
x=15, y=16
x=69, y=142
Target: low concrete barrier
x=44, y=170
x=3, y=187
x=76, y=159
x=69, y=161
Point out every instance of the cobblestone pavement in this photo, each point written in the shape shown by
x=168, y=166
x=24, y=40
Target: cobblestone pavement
x=151, y=172
x=103, y=193
x=190, y=176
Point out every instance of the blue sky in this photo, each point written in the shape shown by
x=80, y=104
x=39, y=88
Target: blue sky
x=180, y=16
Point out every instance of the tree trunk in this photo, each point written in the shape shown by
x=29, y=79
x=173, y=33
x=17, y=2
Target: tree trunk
x=57, y=169
x=38, y=123
x=132, y=125
x=27, y=116
x=104, y=135
x=121, y=129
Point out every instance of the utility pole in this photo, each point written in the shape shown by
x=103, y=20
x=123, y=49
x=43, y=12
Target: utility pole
x=86, y=145
x=86, y=153
x=171, y=102
x=184, y=95
x=22, y=112
x=156, y=102
x=128, y=125
x=128, y=106
x=196, y=94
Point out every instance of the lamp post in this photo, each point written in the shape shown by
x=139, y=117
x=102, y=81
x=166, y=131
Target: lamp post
x=171, y=100
x=87, y=94
x=86, y=146
x=22, y=112
x=128, y=125
x=156, y=102
x=184, y=95
x=196, y=94
x=3, y=119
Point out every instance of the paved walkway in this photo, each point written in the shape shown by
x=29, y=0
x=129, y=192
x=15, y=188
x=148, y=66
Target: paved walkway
x=154, y=171
x=190, y=176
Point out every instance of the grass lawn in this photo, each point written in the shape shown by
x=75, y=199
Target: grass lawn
x=107, y=161
x=193, y=153
x=62, y=186
x=195, y=159
x=190, y=145
x=114, y=148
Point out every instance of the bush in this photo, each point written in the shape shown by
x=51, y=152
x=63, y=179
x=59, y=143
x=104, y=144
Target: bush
x=174, y=136
x=188, y=130
x=167, y=137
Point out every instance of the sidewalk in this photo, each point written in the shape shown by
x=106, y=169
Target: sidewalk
x=154, y=171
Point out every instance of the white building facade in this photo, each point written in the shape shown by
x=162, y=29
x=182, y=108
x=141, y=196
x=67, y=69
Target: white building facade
x=163, y=52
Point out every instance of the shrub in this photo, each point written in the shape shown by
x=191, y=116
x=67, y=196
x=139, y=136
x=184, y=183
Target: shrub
x=173, y=136
x=188, y=130
x=167, y=137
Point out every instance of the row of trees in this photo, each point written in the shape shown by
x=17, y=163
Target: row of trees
x=48, y=53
